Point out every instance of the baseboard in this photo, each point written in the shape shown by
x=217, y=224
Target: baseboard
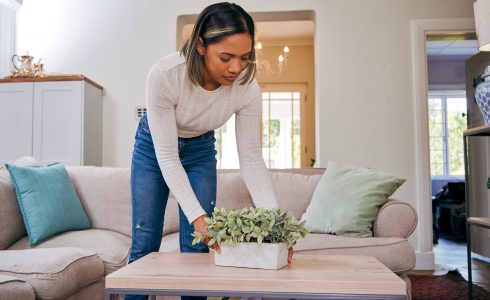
x=424, y=261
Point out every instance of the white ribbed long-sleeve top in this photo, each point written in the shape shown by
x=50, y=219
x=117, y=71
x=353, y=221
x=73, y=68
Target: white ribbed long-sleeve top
x=178, y=108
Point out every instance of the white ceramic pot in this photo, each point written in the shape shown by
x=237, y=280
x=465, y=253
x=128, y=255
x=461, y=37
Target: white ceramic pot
x=253, y=255
x=482, y=96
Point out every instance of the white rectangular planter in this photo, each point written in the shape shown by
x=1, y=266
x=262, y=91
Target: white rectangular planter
x=253, y=255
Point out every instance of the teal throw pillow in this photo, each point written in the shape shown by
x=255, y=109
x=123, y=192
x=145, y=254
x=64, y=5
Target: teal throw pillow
x=47, y=200
x=347, y=199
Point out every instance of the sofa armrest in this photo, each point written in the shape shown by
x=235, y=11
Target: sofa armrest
x=395, y=219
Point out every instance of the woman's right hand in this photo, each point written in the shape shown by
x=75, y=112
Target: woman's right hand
x=202, y=227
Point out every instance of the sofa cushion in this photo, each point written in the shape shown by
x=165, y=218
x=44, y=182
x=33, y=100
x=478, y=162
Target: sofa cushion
x=23, y=161
x=171, y=219
x=347, y=199
x=95, y=291
x=389, y=251
x=54, y=273
x=109, y=205
x=112, y=247
x=395, y=253
x=231, y=190
x=170, y=243
x=14, y=288
x=294, y=191
x=47, y=200
x=11, y=224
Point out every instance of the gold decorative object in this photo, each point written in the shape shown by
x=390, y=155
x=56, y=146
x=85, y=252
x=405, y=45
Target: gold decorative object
x=39, y=69
x=26, y=68
x=263, y=65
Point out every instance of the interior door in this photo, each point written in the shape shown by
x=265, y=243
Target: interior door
x=478, y=158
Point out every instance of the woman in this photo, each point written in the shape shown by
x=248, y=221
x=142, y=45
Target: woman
x=189, y=94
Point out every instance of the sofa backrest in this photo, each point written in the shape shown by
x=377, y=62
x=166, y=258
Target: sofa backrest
x=293, y=189
x=106, y=197
x=11, y=224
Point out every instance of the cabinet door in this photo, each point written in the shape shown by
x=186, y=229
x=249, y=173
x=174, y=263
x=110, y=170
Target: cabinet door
x=15, y=120
x=58, y=122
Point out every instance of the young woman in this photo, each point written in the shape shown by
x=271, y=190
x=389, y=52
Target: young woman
x=189, y=94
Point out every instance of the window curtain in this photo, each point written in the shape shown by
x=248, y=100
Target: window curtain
x=7, y=38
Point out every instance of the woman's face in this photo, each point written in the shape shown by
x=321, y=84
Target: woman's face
x=226, y=59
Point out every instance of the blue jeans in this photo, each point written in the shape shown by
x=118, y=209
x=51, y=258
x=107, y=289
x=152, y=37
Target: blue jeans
x=149, y=192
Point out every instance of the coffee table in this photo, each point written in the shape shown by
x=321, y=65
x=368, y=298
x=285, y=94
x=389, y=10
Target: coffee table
x=308, y=277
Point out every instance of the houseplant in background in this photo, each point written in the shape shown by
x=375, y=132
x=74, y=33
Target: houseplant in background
x=252, y=237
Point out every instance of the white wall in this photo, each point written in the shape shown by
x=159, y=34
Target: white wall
x=365, y=111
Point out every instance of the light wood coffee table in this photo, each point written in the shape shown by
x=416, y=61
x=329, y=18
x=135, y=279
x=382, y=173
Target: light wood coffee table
x=308, y=277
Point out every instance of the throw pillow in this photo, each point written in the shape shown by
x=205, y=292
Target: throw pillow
x=47, y=200
x=11, y=224
x=347, y=199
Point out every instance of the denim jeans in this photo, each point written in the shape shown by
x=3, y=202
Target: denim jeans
x=149, y=192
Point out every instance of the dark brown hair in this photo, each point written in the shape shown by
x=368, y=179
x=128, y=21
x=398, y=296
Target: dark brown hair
x=214, y=23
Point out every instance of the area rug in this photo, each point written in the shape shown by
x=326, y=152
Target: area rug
x=448, y=287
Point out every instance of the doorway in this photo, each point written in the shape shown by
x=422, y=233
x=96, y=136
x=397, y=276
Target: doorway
x=288, y=90
x=446, y=53
x=420, y=80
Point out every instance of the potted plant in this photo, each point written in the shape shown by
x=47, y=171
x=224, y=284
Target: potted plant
x=252, y=237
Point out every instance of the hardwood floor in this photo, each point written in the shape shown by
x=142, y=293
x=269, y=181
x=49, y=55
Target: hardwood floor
x=450, y=254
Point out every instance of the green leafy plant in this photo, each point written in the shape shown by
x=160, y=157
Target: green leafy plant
x=253, y=225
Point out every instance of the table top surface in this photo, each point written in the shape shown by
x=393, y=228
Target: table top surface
x=315, y=274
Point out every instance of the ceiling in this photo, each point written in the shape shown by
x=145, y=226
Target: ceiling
x=451, y=48
x=448, y=45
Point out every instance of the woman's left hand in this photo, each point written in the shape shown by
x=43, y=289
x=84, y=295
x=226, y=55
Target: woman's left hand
x=290, y=255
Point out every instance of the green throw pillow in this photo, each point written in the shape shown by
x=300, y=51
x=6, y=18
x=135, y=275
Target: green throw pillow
x=47, y=200
x=347, y=199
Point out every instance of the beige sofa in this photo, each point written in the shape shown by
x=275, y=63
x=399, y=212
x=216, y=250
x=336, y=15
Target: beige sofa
x=72, y=265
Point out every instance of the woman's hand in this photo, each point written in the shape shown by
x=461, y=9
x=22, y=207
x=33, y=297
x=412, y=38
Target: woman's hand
x=290, y=255
x=202, y=227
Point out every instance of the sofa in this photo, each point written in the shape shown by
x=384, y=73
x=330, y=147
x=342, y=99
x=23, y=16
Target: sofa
x=73, y=265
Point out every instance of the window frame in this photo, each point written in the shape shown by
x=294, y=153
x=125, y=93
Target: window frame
x=443, y=95
x=302, y=88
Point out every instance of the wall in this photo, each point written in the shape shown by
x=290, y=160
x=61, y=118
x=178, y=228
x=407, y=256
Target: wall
x=7, y=37
x=363, y=69
x=447, y=72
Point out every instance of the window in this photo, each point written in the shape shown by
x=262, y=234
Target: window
x=446, y=126
x=281, y=130
x=227, y=155
x=7, y=36
x=281, y=135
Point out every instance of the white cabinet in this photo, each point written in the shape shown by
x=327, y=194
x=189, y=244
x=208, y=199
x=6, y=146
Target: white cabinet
x=57, y=120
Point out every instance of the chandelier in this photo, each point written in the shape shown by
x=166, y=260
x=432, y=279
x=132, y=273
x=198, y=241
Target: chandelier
x=262, y=65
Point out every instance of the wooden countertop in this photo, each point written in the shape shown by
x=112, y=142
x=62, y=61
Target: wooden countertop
x=70, y=77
